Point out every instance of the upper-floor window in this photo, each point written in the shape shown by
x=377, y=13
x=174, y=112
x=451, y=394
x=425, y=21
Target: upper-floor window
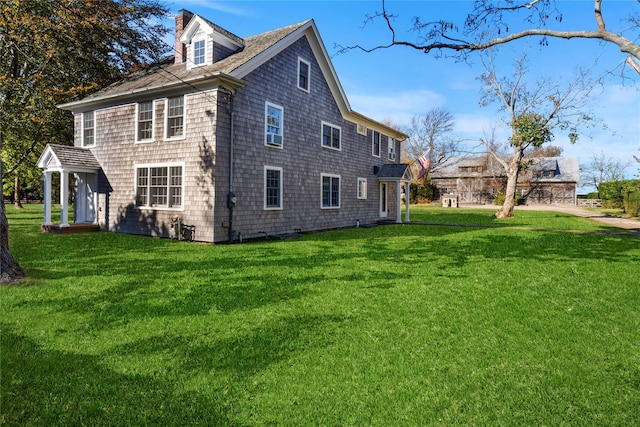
x=545, y=174
x=375, y=144
x=303, y=74
x=392, y=149
x=471, y=169
x=199, y=52
x=274, y=116
x=159, y=186
x=272, y=188
x=144, y=121
x=88, y=129
x=362, y=188
x=331, y=136
x=175, y=117
x=330, y=191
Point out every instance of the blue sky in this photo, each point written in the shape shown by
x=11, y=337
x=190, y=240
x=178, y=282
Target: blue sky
x=400, y=82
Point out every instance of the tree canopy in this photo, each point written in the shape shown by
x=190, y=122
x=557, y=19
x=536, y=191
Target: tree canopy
x=54, y=51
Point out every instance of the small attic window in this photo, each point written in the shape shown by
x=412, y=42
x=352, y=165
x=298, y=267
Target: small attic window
x=303, y=74
x=199, y=52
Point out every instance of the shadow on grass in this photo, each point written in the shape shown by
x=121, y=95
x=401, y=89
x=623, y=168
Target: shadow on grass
x=48, y=387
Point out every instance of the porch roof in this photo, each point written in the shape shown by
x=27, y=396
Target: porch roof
x=58, y=158
x=394, y=172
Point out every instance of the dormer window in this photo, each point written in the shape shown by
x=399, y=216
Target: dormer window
x=206, y=42
x=199, y=52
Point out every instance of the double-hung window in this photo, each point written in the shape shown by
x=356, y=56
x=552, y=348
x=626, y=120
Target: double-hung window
x=331, y=136
x=303, y=74
x=272, y=188
x=159, y=186
x=274, y=116
x=145, y=122
x=330, y=191
x=375, y=145
x=175, y=117
x=199, y=53
x=392, y=149
x=362, y=188
x=88, y=129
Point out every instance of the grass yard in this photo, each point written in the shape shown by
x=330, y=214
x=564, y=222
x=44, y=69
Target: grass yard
x=397, y=325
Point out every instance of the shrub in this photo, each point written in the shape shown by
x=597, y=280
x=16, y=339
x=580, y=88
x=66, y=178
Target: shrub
x=500, y=197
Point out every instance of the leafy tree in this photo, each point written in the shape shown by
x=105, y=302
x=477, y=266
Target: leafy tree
x=548, y=151
x=532, y=115
x=489, y=22
x=603, y=168
x=54, y=51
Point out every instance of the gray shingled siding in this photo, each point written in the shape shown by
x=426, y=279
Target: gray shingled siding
x=302, y=158
x=205, y=154
x=118, y=154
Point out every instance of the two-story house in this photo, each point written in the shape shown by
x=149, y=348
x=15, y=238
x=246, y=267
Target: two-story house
x=236, y=137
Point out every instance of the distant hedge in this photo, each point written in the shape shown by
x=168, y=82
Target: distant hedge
x=621, y=195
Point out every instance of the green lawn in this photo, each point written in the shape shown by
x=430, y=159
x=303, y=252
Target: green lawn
x=397, y=325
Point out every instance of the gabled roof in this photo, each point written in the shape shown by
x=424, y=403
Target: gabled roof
x=394, y=172
x=167, y=77
x=566, y=169
x=59, y=158
x=225, y=37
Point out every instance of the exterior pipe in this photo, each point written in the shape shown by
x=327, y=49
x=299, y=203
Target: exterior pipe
x=231, y=198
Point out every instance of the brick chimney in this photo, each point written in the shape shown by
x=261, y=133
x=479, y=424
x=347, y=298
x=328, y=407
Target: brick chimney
x=182, y=20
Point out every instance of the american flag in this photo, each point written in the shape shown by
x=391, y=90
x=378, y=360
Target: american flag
x=424, y=164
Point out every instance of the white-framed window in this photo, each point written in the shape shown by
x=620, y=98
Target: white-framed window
x=89, y=129
x=159, y=185
x=304, y=74
x=330, y=189
x=362, y=188
x=392, y=149
x=375, y=143
x=361, y=129
x=273, y=124
x=331, y=136
x=199, y=52
x=174, y=112
x=144, y=121
x=272, y=188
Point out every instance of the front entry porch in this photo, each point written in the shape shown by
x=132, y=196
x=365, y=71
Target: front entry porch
x=388, y=176
x=80, y=162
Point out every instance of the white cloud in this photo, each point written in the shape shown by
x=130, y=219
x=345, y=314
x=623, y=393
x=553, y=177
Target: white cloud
x=399, y=107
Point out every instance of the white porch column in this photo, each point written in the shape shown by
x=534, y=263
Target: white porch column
x=64, y=199
x=47, y=198
x=407, y=218
x=399, y=202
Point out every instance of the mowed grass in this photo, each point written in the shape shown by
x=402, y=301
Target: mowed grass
x=397, y=325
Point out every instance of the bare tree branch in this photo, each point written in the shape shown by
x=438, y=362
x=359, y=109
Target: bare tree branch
x=441, y=35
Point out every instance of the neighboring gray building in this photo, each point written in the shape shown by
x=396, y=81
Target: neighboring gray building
x=234, y=136
x=477, y=179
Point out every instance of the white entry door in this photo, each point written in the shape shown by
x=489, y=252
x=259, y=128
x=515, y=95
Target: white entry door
x=384, y=204
x=84, y=203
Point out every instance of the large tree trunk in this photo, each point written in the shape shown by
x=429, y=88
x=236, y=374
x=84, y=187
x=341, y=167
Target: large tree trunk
x=10, y=270
x=513, y=171
x=16, y=193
